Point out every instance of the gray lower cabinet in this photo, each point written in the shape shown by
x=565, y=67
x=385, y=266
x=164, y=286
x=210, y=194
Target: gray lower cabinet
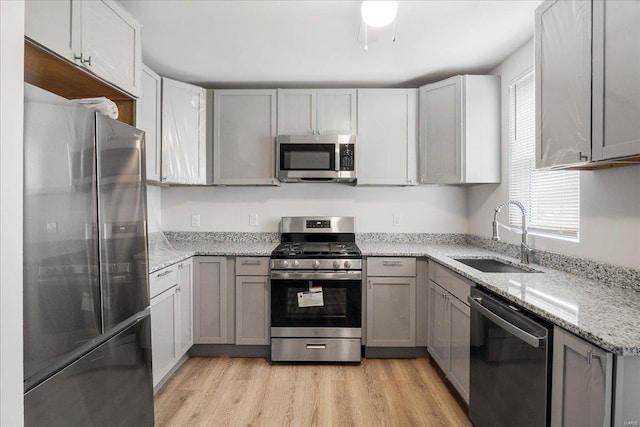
x=449, y=324
x=210, y=300
x=252, y=301
x=164, y=316
x=581, y=384
x=185, y=290
x=391, y=302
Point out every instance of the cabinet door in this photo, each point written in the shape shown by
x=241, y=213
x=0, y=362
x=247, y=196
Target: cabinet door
x=336, y=111
x=164, y=319
x=185, y=289
x=111, y=45
x=252, y=310
x=441, y=132
x=183, y=133
x=148, y=119
x=210, y=300
x=296, y=112
x=53, y=24
x=616, y=79
x=244, y=130
x=387, y=137
x=459, y=317
x=391, y=312
x=439, y=324
x=563, y=83
x=581, y=384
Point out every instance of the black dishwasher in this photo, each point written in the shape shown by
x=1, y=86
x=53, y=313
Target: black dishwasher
x=510, y=368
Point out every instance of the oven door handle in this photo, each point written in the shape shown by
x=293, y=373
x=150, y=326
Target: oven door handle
x=532, y=340
x=356, y=275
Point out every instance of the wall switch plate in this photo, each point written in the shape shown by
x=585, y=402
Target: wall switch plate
x=52, y=228
x=195, y=220
x=396, y=220
x=253, y=219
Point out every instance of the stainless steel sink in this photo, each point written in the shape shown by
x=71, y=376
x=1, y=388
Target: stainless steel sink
x=493, y=265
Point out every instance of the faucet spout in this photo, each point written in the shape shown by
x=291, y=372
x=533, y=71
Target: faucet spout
x=525, y=250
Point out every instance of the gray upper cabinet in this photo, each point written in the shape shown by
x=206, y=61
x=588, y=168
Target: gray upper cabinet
x=587, y=86
x=581, y=384
x=391, y=302
x=148, y=118
x=210, y=300
x=616, y=85
x=386, y=151
x=244, y=131
x=184, y=142
x=316, y=111
x=460, y=130
x=563, y=83
x=99, y=36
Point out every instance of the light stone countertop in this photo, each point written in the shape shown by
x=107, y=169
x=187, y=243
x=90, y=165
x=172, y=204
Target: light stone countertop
x=604, y=314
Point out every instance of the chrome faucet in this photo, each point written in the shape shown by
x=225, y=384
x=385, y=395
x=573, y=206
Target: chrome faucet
x=526, y=251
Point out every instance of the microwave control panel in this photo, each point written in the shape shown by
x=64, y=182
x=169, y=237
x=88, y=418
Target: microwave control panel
x=347, y=157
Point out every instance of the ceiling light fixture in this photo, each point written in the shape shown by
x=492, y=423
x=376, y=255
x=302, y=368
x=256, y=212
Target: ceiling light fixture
x=378, y=14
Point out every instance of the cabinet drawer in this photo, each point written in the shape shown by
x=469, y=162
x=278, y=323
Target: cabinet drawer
x=252, y=266
x=163, y=279
x=455, y=284
x=391, y=267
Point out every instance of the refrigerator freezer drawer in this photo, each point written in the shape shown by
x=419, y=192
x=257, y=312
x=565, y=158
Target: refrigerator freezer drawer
x=110, y=386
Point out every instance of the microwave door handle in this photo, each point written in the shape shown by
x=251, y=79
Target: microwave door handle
x=337, y=162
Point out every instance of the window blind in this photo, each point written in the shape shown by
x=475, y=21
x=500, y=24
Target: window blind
x=552, y=198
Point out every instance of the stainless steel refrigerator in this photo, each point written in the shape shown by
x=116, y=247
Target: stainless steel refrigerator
x=87, y=340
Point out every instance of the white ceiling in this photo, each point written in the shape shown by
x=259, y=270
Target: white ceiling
x=303, y=43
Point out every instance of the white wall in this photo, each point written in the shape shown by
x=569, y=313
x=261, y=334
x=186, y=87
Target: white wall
x=421, y=209
x=609, y=199
x=11, y=113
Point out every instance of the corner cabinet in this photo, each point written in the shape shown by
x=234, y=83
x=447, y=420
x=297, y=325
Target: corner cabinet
x=449, y=325
x=316, y=111
x=587, y=90
x=387, y=137
x=210, y=300
x=252, y=301
x=391, y=302
x=244, y=131
x=460, y=130
x=99, y=36
x=184, y=139
x=148, y=118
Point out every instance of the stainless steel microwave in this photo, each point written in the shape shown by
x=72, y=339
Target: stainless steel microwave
x=316, y=158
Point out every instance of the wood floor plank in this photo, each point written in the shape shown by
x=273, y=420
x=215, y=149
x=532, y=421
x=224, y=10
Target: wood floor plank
x=253, y=392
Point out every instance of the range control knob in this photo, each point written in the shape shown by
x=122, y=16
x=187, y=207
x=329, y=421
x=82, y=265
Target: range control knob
x=336, y=264
x=284, y=263
x=296, y=263
x=316, y=264
x=347, y=264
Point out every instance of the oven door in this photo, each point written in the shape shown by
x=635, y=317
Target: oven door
x=330, y=301
x=303, y=160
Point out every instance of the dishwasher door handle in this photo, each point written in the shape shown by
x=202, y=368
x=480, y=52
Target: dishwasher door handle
x=525, y=336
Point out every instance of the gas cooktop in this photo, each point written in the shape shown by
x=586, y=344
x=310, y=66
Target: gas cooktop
x=295, y=250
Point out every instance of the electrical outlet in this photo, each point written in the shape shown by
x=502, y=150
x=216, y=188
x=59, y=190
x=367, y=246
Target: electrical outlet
x=396, y=220
x=195, y=220
x=52, y=228
x=253, y=219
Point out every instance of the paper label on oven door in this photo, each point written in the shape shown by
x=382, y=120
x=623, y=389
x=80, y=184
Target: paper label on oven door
x=313, y=298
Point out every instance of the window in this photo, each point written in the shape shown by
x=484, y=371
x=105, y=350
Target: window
x=552, y=198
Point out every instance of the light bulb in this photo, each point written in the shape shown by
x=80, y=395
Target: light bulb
x=379, y=13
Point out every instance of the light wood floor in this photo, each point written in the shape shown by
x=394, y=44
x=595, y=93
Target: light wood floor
x=251, y=392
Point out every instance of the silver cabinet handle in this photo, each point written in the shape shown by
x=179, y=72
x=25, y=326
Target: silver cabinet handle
x=369, y=283
x=87, y=61
x=256, y=262
x=79, y=58
x=390, y=263
x=164, y=274
x=316, y=346
x=180, y=267
x=532, y=340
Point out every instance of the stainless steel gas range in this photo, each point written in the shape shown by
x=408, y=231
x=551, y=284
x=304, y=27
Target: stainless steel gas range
x=316, y=291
